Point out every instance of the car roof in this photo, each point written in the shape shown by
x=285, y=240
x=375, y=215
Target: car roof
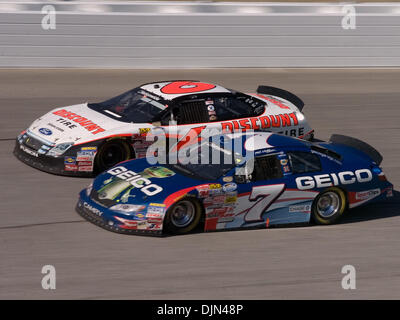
x=173, y=89
x=255, y=141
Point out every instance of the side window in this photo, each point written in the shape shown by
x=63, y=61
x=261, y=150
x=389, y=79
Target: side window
x=228, y=108
x=302, y=162
x=267, y=167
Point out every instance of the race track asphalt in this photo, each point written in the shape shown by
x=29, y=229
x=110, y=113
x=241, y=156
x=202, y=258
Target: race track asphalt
x=38, y=224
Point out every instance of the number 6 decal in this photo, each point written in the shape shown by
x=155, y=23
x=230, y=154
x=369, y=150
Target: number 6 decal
x=267, y=194
x=179, y=87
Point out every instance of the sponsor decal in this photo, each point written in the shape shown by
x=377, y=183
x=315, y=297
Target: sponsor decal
x=55, y=127
x=144, y=130
x=142, y=225
x=84, y=158
x=215, y=192
x=161, y=205
x=89, y=149
x=280, y=104
x=69, y=160
x=230, y=199
x=154, y=226
x=304, y=208
x=156, y=209
x=84, y=122
x=225, y=219
x=92, y=209
x=45, y=131
x=153, y=215
x=127, y=224
x=85, y=155
x=71, y=167
x=227, y=179
x=66, y=123
x=323, y=155
x=293, y=132
x=369, y=194
x=220, y=199
x=229, y=187
x=333, y=179
x=203, y=193
x=85, y=163
x=147, y=94
x=284, y=162
x=223, y=214
x=263, y=122
x=136, y=180
x=210, y=107
x=85, y=168
x=29, y=151
x=214, y=186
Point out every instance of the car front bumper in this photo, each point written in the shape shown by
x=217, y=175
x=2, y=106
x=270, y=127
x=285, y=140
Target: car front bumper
x=43, y=162
x=107, y=219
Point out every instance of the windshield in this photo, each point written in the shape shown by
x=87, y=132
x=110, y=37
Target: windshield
x=199, y=163
x=136, y=106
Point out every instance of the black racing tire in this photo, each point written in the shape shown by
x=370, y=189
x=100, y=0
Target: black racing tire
x=111, y=153
x=183, y=216
x=329, y=206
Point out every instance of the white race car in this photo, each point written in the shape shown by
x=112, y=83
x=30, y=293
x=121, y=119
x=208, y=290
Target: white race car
x=86, y=139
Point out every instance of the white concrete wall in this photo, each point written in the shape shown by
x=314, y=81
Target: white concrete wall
x=180, y=35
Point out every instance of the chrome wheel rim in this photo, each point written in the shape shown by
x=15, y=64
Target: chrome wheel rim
x=182, y=214
x=328, y=204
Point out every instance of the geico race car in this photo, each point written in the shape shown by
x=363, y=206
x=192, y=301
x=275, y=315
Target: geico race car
x=89, y=138
x=277, y=180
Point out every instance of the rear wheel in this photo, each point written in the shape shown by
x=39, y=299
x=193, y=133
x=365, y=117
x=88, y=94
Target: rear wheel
x=111, y=153
x=328, y=206
x=183, y=216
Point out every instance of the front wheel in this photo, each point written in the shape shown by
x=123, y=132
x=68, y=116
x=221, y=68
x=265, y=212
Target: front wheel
x=328, y=206
x=111, y=153
x=183, y=216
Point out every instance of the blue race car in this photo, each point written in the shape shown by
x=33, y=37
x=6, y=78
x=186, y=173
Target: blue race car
x=273, y=180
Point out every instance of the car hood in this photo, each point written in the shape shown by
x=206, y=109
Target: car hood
x=76, y=123
x=163, y=184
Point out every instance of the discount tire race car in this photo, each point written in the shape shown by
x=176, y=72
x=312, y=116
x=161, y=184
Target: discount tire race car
x=273, y=180
x=92, y=137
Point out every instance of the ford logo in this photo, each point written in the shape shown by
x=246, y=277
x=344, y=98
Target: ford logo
x=45, y=131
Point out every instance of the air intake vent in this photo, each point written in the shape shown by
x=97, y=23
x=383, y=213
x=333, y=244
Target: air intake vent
x=193, y=112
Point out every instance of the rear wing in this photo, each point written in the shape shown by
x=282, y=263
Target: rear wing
x=359, y=145
x=282, y=94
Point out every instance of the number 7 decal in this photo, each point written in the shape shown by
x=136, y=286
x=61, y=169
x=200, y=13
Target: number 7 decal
x=267, y=194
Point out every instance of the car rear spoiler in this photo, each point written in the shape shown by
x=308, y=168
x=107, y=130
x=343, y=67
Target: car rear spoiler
x=359, y=145
x=282, y=94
